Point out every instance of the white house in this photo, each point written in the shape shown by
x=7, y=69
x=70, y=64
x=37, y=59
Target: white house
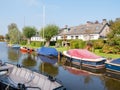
x=88, y=31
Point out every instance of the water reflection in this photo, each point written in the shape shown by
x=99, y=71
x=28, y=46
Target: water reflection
x=51, y=60
x=72, y=80
x=13, y=54
x=49, y=69
x=29, y=61
x=112, y=84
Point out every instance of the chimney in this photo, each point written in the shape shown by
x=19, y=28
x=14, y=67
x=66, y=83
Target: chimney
x=89, y=23
x=104, y=21
x=66, y=26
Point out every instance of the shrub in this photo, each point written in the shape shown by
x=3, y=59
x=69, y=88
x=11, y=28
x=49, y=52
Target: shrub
x=77, y=44
x=23, y=42
x=110, y=49
x=98, y=44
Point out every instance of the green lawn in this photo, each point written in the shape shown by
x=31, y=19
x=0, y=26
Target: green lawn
x=107, y=55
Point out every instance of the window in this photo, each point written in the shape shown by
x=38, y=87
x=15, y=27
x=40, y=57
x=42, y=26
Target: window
x=76, y=37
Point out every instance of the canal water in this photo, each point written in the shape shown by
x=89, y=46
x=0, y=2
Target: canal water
x=71, y=78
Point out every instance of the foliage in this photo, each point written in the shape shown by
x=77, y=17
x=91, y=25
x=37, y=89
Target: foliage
x=98, y=44
x=77, y=44
x=59, y=42
x=48, y=32
x=29, y=31
x=1, y=38
x=13, y=33
x=7, y=37
x=111, y=49
x=23, y=42
x=36, y=44
x=114, y=35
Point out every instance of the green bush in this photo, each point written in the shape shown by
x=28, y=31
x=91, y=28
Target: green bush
x=23, y=42
x=98, y=44
x=36, y=44
x=77, y=44
x=110, y=49
x=59, y=42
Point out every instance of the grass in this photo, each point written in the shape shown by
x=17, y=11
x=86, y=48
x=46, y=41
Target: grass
x=107, y=55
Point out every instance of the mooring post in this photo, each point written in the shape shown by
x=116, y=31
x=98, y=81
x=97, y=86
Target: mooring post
x=58, y=56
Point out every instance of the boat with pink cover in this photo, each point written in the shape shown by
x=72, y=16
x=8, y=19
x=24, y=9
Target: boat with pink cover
x=85, y=58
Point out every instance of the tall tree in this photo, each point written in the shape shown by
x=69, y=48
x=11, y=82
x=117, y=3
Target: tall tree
x=48, y=32
x=13, y=33
x=29, y=32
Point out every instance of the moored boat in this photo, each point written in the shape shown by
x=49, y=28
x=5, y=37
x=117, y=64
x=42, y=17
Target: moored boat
x=113, y=65
x=15, y=46
x=47, y=51
x=25, y=49
x=20, y=78
x=85, y=58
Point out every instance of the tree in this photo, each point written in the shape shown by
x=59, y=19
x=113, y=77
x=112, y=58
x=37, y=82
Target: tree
x=114, y=35
x=49, y=31
x=29, y=32
x=1, y=38
x=13, y=33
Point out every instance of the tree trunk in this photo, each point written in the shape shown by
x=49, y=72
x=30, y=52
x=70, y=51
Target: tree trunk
x=47, y=43
x=28, y=41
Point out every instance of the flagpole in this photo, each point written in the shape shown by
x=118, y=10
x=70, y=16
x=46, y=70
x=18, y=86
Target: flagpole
x=43, y=22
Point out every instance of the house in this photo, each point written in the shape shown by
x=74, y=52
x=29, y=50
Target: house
x=37, y=37
x=88, y=31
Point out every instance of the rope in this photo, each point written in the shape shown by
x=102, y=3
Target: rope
x=7, y=88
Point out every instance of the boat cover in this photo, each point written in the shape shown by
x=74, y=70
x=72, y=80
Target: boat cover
x=82, y=53
x=116, y=61
x=47, y=51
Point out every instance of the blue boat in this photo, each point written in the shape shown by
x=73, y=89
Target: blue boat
x=15, y=46
x=113, y=65
x=47, y=51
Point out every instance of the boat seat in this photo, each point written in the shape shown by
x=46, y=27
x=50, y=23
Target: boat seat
x=21, y=75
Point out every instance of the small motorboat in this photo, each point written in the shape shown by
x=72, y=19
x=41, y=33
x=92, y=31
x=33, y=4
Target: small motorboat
x=83, y=57
x=21, y=78
x=15, y=46
x=25, y=49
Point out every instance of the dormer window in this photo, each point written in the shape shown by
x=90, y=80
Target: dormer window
x=97, y=28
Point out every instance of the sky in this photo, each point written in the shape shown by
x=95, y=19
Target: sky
x=39, y=13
